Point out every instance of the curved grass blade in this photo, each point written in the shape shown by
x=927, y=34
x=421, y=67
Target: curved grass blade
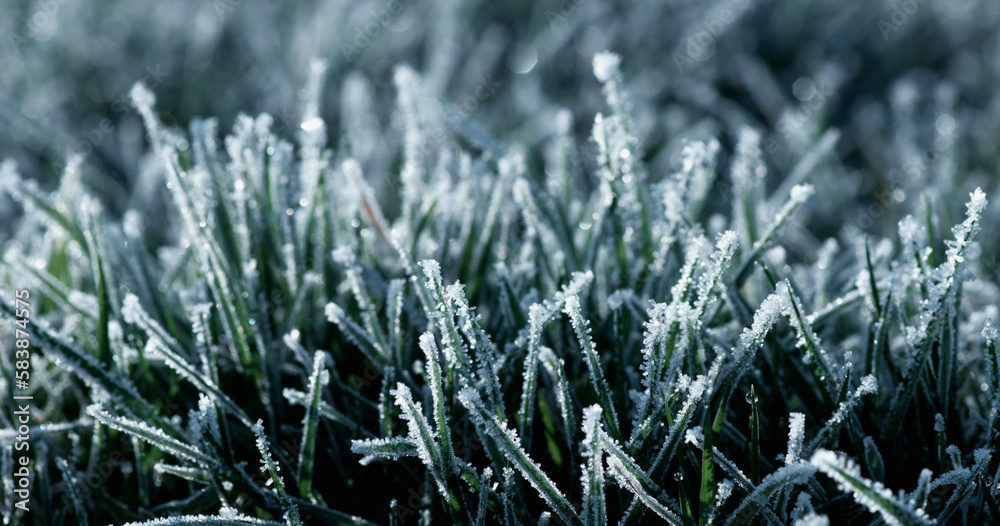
x=508, y=443
x=872, y=495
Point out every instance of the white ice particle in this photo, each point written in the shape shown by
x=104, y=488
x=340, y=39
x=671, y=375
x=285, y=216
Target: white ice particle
x=606, y=65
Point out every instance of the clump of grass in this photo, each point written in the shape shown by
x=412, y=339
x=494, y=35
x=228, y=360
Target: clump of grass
x=507, y=348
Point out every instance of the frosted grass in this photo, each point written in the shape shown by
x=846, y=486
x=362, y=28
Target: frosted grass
x=393, y=284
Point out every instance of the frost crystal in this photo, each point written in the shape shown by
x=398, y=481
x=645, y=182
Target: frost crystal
x=990, y=332
x=151, y=434
x=694, y=436
x=869, y=385
x=725, y=247
x=796, y=434
x=873, y=495
x=766, y=316
x=510, y=446
x=606, y=65
x=597, y=380
x=784, y=477
x=812, y=519
x=592, y=476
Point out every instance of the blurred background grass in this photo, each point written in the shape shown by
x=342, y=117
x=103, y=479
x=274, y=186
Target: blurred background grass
x=904, y=88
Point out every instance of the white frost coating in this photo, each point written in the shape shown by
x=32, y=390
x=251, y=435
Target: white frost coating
x=784, y=477
x=871, y=494
x=727, y=244
x=582, y=328
x=509, y=445
x=977, y=203
x=392, y=448
x=454, y=350
x=698, y=387
x=83, y=301
x=725, y=247
x=619, y=298
x=694, y=436
x=653, y=343
x=267, y=463
x=432, y=270
x=606, y=65
x=434, y=380
x=629, y=481
x=592, y=471
x=766, y=316
x=801, y=193
x=806, y=338
x=812, y=519
x=564, y=121
x=938, y=423
x=722, y=493
x=981, y=456
x=478, y=340
x=796, y=433
x=408, y=88
x=334, y=312
x=206, y=520
x=419, y=432
x=141, y=96
x=150, y=434
x=131, y=310
x=990, y=331
x=869, y=385
x=803, y=505
x=529, y=378
x=694, y=246
x=207, y=417
x=955, y=477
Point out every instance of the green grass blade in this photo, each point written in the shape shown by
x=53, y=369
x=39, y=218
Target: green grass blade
x=597, y=381
x=754, y=438
x=871, y=495
x=320, y=377
x=489, y=428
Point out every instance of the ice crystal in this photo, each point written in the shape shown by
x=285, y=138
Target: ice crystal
x=153, y=435
x=593, y=470
x=766, y=316
x=795, y=473
x=796, y=434
x=444, y=216
x=606, y=65
x=510, y=446
x=990, y=332
x=872, y=495
x=813, y=519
